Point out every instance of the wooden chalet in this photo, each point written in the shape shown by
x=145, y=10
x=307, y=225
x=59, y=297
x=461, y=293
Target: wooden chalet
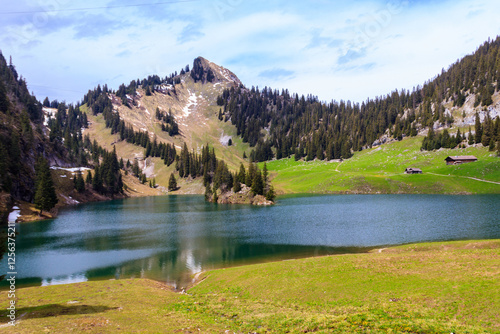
x=413, y=171
x=460, y=159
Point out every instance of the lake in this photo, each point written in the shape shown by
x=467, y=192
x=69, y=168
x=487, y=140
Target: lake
x=170, y=238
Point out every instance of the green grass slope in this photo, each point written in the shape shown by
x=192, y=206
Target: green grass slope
x=447, y=287
x=381, y=170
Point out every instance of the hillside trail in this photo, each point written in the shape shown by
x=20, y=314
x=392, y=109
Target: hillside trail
x=337, y=169
x=466, y=177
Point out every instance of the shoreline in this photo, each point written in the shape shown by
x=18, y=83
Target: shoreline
x=200, y=276
x=341, y=293
x=29, y=214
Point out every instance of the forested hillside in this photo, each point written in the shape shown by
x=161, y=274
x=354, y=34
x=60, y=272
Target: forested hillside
x=28, y=139
x=280, y=124
x=21, y=135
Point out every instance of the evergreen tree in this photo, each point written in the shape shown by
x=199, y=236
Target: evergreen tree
x=236, y=185
x=270, y=194
x=135, y=168
x=470, y=137
x=172, y=183
x=97, y=183
x=208, y=192
x=265, y=176
x=88, y=179
x=242, y=174
x=257, y=183
x=78, y=182
x=4, y=101
x=250, y=175
x=479, y=130
x=45, y=193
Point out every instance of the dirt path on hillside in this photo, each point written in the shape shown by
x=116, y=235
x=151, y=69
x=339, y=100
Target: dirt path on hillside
x=466, y=177
x=337, y=169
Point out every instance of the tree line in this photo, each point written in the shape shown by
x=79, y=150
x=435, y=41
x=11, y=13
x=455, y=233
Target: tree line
x=486, y=133
x=290, y=124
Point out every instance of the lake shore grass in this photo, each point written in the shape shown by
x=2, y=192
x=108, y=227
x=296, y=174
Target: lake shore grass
x=444, y=287
x=380, y=170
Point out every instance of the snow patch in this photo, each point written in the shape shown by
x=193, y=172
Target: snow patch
x=224, y=140
x=192, y=102
x=70, y=200
x=48, y=114
x=72, y=170
x=16, y=213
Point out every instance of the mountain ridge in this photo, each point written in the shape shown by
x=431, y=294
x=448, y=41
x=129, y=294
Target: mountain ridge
x=208, y=104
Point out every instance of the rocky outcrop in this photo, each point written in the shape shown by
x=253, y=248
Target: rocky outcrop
x=244, y=196
x=206, y=71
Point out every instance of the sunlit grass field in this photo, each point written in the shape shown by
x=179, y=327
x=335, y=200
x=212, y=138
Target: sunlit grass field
x=381, y=170
x=447, y=287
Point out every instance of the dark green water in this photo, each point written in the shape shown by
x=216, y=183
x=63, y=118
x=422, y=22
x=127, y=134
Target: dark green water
x=171, y=238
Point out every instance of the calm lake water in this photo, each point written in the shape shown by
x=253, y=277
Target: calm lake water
x=170, y=238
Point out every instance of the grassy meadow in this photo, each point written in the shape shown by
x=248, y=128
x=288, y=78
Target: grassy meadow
x=449, y=287
x=381, y=170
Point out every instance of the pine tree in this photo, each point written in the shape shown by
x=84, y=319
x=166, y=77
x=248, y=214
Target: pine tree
x=172, y=183
x=97, y=183
x=257, y=183
x=45, y=193
x=479, y=130
x=88, y=179
x=242, y=174
x=470, y=137
x=265, y=176
x=135, y=168
x=4, y=101
x=236, y=185
x=250, y=175
x=78, y=182
x=270, y=195
x=208, y=192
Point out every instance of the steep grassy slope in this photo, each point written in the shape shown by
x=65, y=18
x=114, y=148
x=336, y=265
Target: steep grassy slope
x=381, y=170
x=428, y=288
x=194, y=107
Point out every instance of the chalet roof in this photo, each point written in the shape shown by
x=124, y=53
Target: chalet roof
x=461, y=157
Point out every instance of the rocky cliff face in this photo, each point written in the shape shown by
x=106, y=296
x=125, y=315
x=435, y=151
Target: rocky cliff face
x=206, y=71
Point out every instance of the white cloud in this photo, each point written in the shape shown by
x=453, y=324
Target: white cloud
x=335, y=50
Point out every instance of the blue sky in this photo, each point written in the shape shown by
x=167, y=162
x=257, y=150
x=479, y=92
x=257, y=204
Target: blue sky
x=333, y=49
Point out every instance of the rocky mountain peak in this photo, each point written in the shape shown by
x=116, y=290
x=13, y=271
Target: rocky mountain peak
x=206, y=71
